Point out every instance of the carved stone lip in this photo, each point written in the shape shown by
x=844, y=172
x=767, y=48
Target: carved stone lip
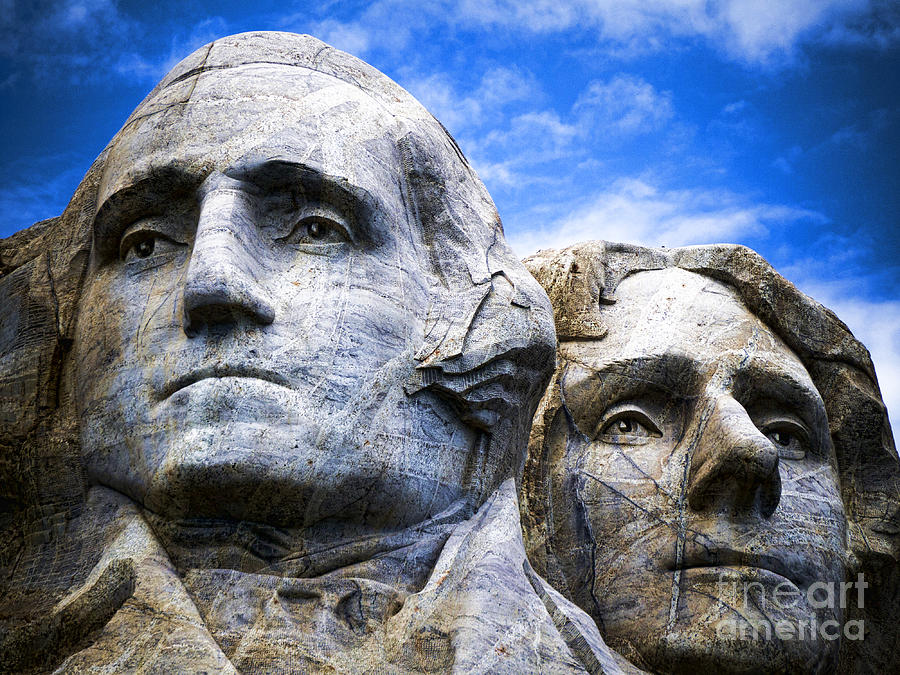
x=727, y=557
x=223, y=370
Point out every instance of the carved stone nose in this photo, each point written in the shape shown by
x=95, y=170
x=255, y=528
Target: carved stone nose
x=734, y=467
x=222, y=281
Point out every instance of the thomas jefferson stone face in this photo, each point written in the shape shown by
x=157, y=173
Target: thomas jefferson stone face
x=697, y=464
x=254, y=302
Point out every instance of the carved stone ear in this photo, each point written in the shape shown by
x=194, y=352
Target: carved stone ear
x=487, y=353
x=489, y=344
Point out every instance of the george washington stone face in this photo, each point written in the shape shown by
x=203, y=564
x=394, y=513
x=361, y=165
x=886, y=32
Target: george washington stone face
x=291, y=278
x=256, y=285
x=295, y=395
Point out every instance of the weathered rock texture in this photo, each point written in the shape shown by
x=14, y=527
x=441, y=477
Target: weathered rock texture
x=266, y=384
x=713, y=455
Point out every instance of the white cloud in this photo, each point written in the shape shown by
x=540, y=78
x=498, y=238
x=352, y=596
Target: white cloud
x=634, y=210
x=438, y=94
x=783, y=165
x=752, y=31
x=511, y=155
x=627, y=103
x=91, y=40
x=460, y=111
x=540, y=15
x=383, y=25
x=735, y=107
x=136, y=66
x=862, y=132
x=80, y=15
x=502, y=85
x=81, y=39
x=785, y=162
x=761, y=30
x=540, y=132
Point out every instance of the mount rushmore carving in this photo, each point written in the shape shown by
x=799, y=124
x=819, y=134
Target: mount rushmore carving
x=267, y=390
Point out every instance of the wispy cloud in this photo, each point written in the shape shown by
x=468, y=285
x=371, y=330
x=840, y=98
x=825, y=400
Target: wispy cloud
x=82, y=38
x=49, y=185
x=626, y=103
x=785, y=162
x=861, y=132
x=93, y=40
x=462, y=111
x=734, y=107
x=527, y=148
x=876, y=27
x=534, y=136
x=350, y=37
x=636, y=210
x=382, y=26
x=751, y=31
x=96, y=38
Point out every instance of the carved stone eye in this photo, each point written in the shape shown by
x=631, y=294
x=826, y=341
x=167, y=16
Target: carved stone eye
x=318, y=231
x=791, y=442
x=625, y=426
x=144, y=248
x=781, y=438
x=628, y=426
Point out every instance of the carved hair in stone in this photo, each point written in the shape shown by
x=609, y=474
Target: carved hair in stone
x=266, y=384
x=711, y=462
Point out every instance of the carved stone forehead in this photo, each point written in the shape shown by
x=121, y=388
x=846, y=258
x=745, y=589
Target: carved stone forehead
x=267, y=91
x=256, y=112
x=680, y=317
x=679, y=309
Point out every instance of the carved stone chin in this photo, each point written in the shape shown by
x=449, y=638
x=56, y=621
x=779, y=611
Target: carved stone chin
x=683, y=484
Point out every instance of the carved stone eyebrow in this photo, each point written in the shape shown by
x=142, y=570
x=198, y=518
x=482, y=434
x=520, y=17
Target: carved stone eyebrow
x=156, y=189
x=671, y=373
x=770, y=379
x=361, y=207
x=147, y=194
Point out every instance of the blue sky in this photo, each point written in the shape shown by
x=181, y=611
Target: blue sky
x=667, y=122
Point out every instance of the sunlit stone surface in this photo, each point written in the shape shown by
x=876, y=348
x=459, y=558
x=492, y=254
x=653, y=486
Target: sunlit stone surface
x=267, y=384
x=712, y=461
x=265, y=388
